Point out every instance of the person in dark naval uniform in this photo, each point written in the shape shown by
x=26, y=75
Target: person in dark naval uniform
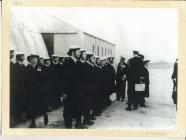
x=121, y=81
x=56, y=81
x=82, y=88
x=71, y=97
x=146, y=81
x=19, y=109
x=46, y=83
x=135, y=71
x=98, y=87
x=12, y=102
x=111, y=87
x=88, y=66
x=175, y=82
x=32, y=88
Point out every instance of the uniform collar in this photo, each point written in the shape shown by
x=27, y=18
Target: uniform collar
x=55, y=62
x=82, y=61
x=47, y=65
x=74, y=59
x=20, y=63
x=33, y=66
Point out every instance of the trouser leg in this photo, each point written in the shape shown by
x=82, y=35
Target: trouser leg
x=131, y=92
x=67, y=115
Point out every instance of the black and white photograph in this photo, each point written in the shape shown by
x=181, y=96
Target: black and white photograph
x=93, y=68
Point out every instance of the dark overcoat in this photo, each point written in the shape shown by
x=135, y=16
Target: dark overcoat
x=18, y=84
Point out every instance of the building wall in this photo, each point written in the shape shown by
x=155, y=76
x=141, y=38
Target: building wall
x=99, y=47
x=105, y=48
x=63, y=41
x=89, y=42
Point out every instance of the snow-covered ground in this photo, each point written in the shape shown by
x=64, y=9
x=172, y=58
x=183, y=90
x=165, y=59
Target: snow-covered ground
x=160, y=113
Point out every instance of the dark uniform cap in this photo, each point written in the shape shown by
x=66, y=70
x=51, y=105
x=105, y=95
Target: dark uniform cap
x=73, y=48
x=34, y=55
x=135, y=52
x=11, y=50
x=97, y=57
x=122, y=58
x=83, y=50
x=90, y=54
x=103, y=58
x=146, y=61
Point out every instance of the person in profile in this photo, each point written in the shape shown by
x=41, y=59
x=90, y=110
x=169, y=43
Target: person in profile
x=134, y=76
x=19, y=95
x=174, y=78
x=121, y=80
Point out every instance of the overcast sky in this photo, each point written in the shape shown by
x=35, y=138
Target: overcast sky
x=152, y=31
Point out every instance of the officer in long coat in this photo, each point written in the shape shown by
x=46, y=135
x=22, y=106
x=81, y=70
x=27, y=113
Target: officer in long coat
x=32, y=80
x=71, y=97
x=46, y=83
x=93, y=87
x=19, y=88
x=104, y=81
x=88, y=68
x=82, y=88
x=110, y=82
x=134, y=75
x=56, y=81
x=98, y=87
x=121, y=81
x=90, y=85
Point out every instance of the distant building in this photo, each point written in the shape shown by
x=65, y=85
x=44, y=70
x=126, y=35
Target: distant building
x=27, y=33
x=59, y=41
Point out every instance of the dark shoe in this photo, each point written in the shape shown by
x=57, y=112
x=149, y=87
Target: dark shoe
x=88, y=122
x=80, y=126
x=135, y=108
x=143, y=105
x=128, y=109
x=98, y=114
x=93, y=118
x=32, y=125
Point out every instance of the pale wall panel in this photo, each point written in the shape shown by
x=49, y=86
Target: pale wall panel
x=88, y=42
x=62, y=42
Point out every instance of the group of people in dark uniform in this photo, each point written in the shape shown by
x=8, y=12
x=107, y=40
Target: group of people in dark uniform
x=81, y=82
x=35, y=89
x=135, y=76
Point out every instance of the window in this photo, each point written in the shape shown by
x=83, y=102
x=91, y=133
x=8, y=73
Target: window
x=93, y=49
x=98, y=51
x=105, y=51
